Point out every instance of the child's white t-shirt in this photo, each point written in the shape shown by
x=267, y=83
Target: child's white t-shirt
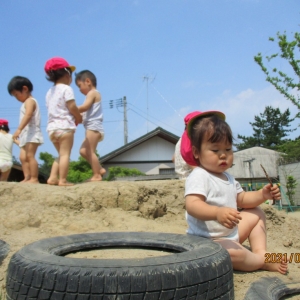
x=59, y=117
x=6, y=145
x=217, y=192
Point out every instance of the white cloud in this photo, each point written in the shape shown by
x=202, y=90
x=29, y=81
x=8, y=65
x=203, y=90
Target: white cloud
x=240, y=109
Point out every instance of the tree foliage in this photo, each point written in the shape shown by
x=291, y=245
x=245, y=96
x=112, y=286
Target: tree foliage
x=122, y=172
x=291, y=185
x=270, y=128
x=284, y=83
x=79, y=171
x=48, y=160
x=290, y=150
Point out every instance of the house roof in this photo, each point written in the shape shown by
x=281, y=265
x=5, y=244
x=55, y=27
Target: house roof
x=246, y=163
x=159, y=132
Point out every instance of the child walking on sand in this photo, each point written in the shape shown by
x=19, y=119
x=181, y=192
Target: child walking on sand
x=212, y=195
x=63, y=116
x=6, y=144
x=29, y=130
x=92, y=114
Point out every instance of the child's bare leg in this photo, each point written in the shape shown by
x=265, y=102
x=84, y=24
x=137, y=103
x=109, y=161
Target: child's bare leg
x=88, y=151
x=30, y=149
x=65, y=147
x=53, y=178
x=253, y=227
x=4, y=175
x=242, y=259
x=25, y=165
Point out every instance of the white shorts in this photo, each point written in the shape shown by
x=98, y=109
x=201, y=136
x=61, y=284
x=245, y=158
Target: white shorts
x=30, y=136
x=5, y=165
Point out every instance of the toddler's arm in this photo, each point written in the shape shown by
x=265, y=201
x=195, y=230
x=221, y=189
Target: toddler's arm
x=72, y=107
x=254, y=198
x=198, y=208
x=30, y=107
x=89, y=100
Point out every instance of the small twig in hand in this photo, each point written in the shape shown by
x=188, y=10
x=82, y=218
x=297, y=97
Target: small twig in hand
x=269, y=179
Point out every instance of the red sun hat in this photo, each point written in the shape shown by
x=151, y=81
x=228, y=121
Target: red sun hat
x=56, y=63
x=186, y=144
x=3, y=122
x=190, y=116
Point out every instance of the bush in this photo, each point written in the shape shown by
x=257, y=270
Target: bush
x=122, y=172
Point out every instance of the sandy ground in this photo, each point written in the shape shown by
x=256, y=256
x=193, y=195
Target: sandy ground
x=32, y=212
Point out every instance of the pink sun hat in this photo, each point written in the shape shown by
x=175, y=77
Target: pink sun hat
x=3, y=122
x=186, y=144
x=56, y=63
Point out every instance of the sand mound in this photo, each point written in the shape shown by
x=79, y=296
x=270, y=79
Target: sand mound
x=32, y=212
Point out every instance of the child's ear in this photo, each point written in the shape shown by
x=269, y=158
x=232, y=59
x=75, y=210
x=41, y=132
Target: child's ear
x=195, y=152
x=88, y=81
x=25, y=89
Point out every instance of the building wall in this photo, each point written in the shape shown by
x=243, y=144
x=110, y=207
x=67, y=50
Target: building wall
x=151, y=168
x=153, y=149
x=293, y=170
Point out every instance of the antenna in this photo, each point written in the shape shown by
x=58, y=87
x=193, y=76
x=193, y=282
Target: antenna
x=147, y=78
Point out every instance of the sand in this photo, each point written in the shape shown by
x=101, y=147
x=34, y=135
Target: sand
x=32, y=212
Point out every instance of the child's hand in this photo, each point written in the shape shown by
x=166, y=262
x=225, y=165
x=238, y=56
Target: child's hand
x=16, y=134
x=78, y=120
x=228, y=217
x=271, y=192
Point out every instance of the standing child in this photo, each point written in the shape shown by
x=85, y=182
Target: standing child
x=212, y=195
x=63, y=116
x=92, y=121
x=29, y=130
x=6, y=144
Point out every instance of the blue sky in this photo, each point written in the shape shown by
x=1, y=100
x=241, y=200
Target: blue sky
x=197, y=55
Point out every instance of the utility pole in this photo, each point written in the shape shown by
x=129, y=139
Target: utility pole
x=121, y=103
x=125, y=121
x=146, y=77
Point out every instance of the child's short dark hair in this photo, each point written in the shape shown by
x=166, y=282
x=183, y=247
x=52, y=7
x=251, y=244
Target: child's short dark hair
x=17, y=83
x=54, y=75
x=4, y=128
x=212, y=127
x=83, y=75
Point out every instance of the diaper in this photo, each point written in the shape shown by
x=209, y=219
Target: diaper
x=5, y=165
x=55, y=135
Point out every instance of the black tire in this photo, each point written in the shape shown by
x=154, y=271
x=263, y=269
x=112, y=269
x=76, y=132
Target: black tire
x=198, y=269
x=271, y=288
x=4, y=249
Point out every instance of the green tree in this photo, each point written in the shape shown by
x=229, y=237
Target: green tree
x=16, y=160
x=290, y=150
x=284, y=83
x=291, y=184
x=48, y=160
x=79, y=171
x=122, y=172
x=270, y=129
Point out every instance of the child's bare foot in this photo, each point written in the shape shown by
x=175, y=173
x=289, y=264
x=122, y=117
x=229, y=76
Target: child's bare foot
x=65, y=183
x=52, y=181
x=102, y=171
x=33, y=181
x=25, y=180
x=94, y=178
x=281, y=267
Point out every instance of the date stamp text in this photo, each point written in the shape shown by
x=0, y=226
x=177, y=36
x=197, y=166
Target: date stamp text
x=282, y=257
